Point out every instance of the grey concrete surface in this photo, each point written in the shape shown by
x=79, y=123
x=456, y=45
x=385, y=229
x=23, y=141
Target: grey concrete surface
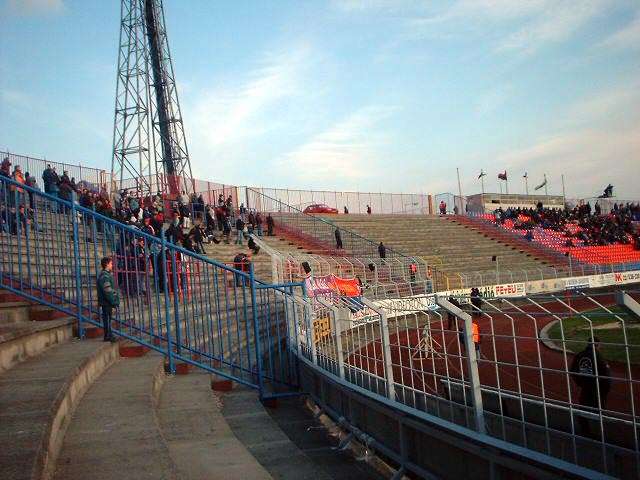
x=200, y=442
x=36, y=399
x=114, y=433
x=280, y=439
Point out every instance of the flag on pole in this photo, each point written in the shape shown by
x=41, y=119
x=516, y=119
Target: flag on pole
x=525, y=175
x=502, y=176
x=482, y=174
x=542, y=184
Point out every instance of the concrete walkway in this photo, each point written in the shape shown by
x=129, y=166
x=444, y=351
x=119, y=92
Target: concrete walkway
x=114, y=433
x=200, y=442
x=36, y=399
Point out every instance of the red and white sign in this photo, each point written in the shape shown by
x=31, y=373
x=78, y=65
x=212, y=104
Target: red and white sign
x=626, y=277
x=509, y=290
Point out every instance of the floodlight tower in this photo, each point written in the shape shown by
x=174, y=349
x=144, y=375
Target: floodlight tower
x=149, y=147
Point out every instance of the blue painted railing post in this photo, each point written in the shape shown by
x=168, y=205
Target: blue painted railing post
x=176, y=304
x=165, y=289
x=76, y=254
x=256, y=330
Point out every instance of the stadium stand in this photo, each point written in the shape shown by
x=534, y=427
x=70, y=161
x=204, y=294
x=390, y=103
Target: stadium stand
x=593, y=238
x=462, y=251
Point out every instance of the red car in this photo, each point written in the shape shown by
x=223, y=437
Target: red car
x=320, y=208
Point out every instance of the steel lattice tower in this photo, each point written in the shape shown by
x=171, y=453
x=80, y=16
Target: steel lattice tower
x=149, y=147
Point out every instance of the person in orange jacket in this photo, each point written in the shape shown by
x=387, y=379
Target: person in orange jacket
x=18, y=176
x=475, y=335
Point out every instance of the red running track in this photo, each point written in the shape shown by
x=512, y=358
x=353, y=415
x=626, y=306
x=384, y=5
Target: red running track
x=504, y=341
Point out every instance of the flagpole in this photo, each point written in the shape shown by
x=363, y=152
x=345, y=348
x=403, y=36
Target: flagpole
x=546, y=192
x=459, y=189
x=482, y=183
x=526, y=184
x=506, y=183
x=564, y=197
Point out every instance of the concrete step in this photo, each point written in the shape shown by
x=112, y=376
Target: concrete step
x=199, y=440
x=114, y=432
x=20, y=341
x=37, y=399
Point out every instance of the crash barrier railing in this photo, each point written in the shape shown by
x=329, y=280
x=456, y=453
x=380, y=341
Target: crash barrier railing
x=454, y=203
x=188, y=307
x=515, y=275
x=520, y=370
x=322, y=233
x=381, y=278
x=355, y=202
x=93, y=178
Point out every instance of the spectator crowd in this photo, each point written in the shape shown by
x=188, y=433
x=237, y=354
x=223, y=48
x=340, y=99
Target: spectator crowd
x=581, y=224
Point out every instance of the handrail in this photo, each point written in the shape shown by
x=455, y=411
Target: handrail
x=327, y=222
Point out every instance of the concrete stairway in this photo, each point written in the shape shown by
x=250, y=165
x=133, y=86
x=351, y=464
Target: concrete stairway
x=288, y=442
x=37, y=399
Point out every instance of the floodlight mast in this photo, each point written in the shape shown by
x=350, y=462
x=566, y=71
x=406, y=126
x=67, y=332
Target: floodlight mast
x=150, y=152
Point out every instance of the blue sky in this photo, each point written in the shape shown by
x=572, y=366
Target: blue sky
x=349, y=94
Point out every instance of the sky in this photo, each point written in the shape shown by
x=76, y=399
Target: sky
x=367, y=95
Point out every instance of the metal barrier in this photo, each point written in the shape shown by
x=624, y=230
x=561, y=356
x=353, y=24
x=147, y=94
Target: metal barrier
x=186, y=306
x=381, y=278
x=355, y=202
x=94, y=177
x=511, y=369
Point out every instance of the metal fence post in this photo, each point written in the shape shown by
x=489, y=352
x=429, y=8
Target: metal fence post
x=386, y=348
x=176, y=305
x=338, y=315
x=76, y=254
x=256, y=330
x=165, y=288
x=474, y=376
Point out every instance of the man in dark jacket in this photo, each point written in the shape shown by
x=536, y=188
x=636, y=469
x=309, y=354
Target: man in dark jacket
x=270, y=224
x=108, y=297
x=47, y=178
x=476, y=301
x=239, y=230
x=591, y=373
x=382, y=250
x=338, y=239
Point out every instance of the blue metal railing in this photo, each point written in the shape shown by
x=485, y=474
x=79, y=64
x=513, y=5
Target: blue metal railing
x=188, y=307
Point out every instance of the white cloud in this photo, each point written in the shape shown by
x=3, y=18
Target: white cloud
x=15, y=99
x=557, y=22
x=587, y=158
x=603, y=106
x=521, y=26
x=346, y=151
x=226, y=115
x=626, y=38
x=34, y=7
x=377, y=5
x=491, y=100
